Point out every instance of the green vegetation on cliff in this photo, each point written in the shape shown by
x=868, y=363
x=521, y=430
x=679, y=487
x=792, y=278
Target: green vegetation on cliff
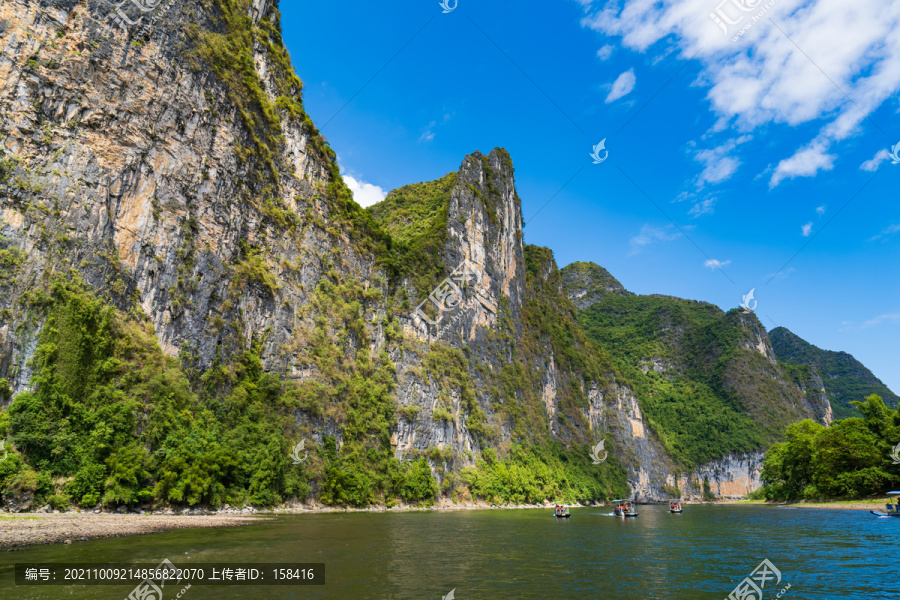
x=662, y=347
x=703, y=384
x=845, y=379
x=538, y=465
x=586, y=283
x=415, y=216
x=225, y=45
x=111, y=420
x=537, y=473
x=849, y=458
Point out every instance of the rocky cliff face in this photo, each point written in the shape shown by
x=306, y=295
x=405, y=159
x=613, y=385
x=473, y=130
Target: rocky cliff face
x=586, y=283
x=686, y=361
x=163, y=158
x=761, y=382
x=839, y=376
x=127, y=165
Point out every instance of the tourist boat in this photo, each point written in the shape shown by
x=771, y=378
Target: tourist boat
x=561, y=511
x=675, y=506
x=893, y=510
x=623, y=508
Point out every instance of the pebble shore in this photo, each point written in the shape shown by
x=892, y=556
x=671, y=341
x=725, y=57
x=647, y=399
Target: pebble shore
x=26, y=529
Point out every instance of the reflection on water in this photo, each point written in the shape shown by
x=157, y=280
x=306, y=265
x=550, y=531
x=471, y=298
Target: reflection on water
x=700, y=554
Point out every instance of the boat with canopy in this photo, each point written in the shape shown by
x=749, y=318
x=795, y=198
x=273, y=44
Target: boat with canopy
x=892, y=510
x=623, y=508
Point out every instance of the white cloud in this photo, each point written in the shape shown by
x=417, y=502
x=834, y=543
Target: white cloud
x=820, y=210
x=719, y=169
x=428, y=132
x=365, y=194
x=622, y=86
x=712, y=263
x=703, y=207
x=807, y=229
x=650, y=235
x=873, y=164
x=719, y=166
x=889, y=231
x=764, y=77
x=804, y=163
x=605, y=52
x=887, y=317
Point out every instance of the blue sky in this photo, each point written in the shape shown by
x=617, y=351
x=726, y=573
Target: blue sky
x=762, y=149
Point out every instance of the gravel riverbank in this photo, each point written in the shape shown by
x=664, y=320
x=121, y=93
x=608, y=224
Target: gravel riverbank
x=25, y=529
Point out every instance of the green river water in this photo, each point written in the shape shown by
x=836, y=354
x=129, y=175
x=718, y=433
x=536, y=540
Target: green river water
x=701, y=554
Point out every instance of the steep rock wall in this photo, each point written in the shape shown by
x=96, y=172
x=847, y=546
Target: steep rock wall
x=133, y=159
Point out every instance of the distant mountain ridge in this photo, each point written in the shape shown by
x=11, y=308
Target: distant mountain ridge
x=707, y=380
x=845, y=379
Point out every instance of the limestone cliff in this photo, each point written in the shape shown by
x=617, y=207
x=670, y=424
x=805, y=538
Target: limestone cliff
x=843, y=378
x=713, y=393
x=161, y=162
x=157, y=160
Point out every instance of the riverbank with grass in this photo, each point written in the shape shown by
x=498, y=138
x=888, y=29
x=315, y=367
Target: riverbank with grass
x=843, y=504
x=836, y=504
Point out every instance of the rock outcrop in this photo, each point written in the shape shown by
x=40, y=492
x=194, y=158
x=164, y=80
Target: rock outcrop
x=586, y=283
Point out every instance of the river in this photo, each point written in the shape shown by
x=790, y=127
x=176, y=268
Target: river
x=498, y=554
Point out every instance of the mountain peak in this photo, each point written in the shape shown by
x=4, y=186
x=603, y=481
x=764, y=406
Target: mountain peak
x=586, y=283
